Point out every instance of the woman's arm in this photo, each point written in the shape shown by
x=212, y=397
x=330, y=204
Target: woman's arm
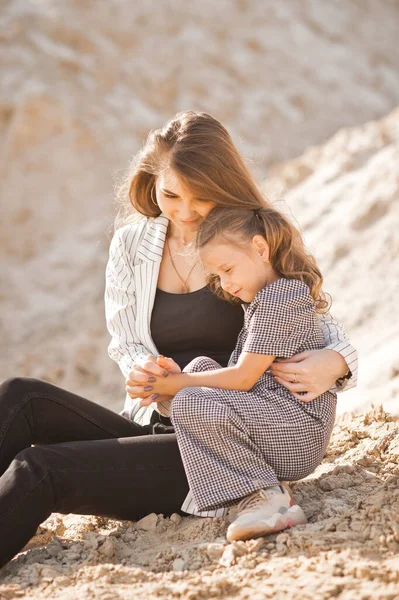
x=125, y=347
x=336, y=339
x=315, y=371
x=120, y=311
x=242, y=376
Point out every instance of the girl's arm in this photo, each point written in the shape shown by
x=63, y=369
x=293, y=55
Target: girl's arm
x=242, y=376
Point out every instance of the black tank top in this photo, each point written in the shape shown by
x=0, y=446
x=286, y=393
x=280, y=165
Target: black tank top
x=184, y=326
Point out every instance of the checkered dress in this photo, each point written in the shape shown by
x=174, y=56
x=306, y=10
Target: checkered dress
x=232, y=442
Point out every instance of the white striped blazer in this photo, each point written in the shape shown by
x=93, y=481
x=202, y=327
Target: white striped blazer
x=131, y=281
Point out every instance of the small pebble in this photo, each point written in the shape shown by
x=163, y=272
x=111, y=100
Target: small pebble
x=178, y=564
x=109, y=547
x=55, y=548
x=72, y=556
x=175, y=518
x=214, y=551
x=229, y=557
x=50, y=572
x=240, y=548
x=282, y=538
x=255, y=545
x=147, y=523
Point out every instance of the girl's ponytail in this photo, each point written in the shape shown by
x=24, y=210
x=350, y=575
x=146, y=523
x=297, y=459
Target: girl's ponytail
x=288, y=255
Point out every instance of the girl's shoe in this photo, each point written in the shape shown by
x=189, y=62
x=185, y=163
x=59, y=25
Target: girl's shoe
x=265, y=511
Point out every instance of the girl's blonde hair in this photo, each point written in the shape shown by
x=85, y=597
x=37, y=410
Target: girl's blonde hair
x=202, y=154
x=288, y=255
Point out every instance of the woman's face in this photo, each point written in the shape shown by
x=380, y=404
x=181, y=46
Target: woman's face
x=179, y=205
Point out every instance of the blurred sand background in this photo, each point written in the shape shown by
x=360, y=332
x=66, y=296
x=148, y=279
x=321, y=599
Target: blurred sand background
x=307, y=89
x=83, y=83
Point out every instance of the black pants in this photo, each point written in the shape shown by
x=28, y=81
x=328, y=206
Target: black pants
x=86, y=459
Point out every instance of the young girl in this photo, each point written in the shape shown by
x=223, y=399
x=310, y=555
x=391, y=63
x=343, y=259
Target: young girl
x=239, y=431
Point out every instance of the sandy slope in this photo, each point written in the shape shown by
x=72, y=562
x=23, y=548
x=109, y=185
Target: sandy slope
x=349, y=548
x=345, y=197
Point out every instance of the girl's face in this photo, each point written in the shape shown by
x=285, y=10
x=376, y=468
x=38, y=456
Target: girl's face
x=177, y=203
x=242, y=272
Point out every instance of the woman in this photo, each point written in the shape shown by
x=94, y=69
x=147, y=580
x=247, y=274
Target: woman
x=86, y=459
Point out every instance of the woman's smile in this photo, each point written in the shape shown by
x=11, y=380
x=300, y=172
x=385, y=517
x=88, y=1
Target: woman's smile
x=185, y=212
x=190, y=222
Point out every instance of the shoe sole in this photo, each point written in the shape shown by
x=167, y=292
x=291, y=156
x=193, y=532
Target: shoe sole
x=278, y=522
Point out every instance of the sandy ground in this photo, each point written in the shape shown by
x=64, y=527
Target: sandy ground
x=349, y=548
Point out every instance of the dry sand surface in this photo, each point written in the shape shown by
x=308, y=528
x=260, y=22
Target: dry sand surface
x=349, y=548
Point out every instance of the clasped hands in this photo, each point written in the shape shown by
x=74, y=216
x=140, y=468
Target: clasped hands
x=305, y=375
x=149, y=381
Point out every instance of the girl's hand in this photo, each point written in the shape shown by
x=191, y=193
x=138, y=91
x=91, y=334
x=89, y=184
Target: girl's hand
x=168, y=364
x=312, y=372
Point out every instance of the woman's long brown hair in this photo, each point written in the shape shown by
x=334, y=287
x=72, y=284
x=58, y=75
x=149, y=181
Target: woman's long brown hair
x=288, y=255
x=202, y=154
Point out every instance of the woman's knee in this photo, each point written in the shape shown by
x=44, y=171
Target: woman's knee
x=34, y=458
x=32, y=482
x=31, y=469
x=16, y=388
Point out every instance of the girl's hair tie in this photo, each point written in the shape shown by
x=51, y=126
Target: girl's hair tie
x=257, y=212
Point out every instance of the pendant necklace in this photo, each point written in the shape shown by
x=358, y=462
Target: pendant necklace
x=184, y=282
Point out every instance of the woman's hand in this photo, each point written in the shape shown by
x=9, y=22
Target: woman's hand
x=169, y=365
x=142, y=375
x=312, y=372
x=138, y=384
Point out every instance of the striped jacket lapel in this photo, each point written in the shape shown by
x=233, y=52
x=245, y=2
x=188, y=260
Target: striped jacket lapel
x=146, y=272
x=153, y=240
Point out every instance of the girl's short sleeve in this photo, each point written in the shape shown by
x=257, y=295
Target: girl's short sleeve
x=281, y=320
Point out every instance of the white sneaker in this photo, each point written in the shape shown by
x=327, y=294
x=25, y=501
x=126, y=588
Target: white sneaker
x=265, y=511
